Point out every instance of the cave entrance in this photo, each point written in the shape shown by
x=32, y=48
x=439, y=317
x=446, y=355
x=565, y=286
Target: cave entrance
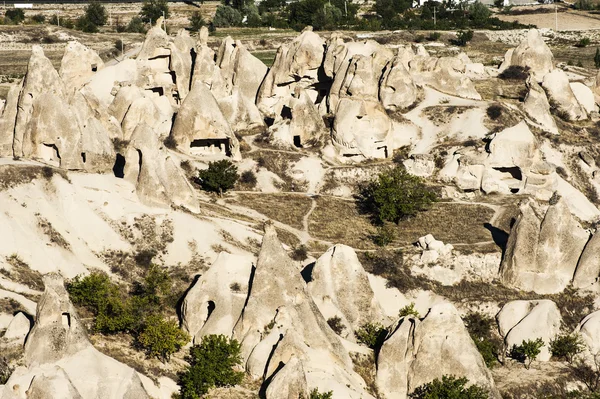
x=211, y=146
x=49, y=153
x=159, y=90
x=66, y=319
x=297, y=142
x=119, y=166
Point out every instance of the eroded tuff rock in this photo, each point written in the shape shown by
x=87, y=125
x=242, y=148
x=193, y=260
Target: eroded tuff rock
x=532, y=53
x=418, y=351
x=589, y=330
x=537, y=107
x=61, y=362
x=340, y=288
x=280, y=320
x=543, y=248
x=556, y=84
x=78, y=65
x=520, y=321
x=214, y=304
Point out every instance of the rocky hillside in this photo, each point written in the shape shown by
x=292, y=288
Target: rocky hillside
x=101, y=178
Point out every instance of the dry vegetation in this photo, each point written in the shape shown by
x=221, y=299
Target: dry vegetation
x=285, y=208
x=14, y=175
x=20, y=272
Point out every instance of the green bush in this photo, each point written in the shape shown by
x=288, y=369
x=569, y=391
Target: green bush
x=480, y=328
x=300, y=253
x=434, y=36
x=161, y=338
x=409, y=310
x=463, y=37
x=15, y=15
x=96, y=13
x=515, y=72
x=315, y=394
x=584, y=42
x=154, y=9
x=38, y=18
x=567, y=346
x=335, y=323
x=212, y=364
x=227, y=16
x=527, y=352
x=85, y=25
x=248, y=179
x=136, y=25
x=395, y=195
x=196, y=21
x=494, y=111
x=449, y=387
x=219, y=177
x=386, y=234
x=371, y=335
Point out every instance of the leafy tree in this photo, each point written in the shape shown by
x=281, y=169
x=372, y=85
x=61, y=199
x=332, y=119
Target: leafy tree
x=449, y=387
x=479, y=14
x=219, y=177
x=38, y=18
x=212, y=364
x=15, y=15
x=253, y=18
x=527, y=352
x=335, y=323
x=85, y=25
x=597, y=58
x=154, y=9
x=95, y=13
x=326, y=17
x=227, y=16
x=371, y=335
x=161, y=338
x=395, y=195
x=136, y=25
x=196, y=22
x=409, y=310
x=300, y=13
x=567, y=346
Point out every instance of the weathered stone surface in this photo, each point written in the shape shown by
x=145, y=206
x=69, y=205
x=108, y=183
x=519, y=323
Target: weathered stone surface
x=417, y=352
x=537, y=107
x=397, y=89
x=289, y=382
x=78, y=65
x=532, y=53
x=556, y=84
x=588, y=267
x=520, y=321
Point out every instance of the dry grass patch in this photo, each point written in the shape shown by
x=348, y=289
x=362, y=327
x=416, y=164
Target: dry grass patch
x=21, y=273
x=285, y=208
x=13, y=175
x=494, y=89
x=441, y=115
x=289, y=239
x=338, y=221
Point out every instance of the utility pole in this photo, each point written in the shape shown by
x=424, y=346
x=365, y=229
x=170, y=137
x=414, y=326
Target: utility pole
x=164, y=21
x=434, y=20
x=555, y=17
x=109, y=18
x=58, y=18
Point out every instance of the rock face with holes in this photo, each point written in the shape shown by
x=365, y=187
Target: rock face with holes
x=340, y=288
x=520, y=321
x=201, y=124
x=78, y=65
x=280, y=320
x=532, y=53
x=418, y=351
x=543, y=248
x=61, y=362
x=214, y=304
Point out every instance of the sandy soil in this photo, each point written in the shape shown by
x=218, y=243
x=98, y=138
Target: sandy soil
x=566, y=20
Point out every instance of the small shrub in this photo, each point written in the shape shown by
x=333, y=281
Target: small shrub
x=119, y=44
x=85, y=25
x=144, y=257
x=527, y=352
x=235, y=287
x=196, y=21
x=248, y=179
x=371, y=335
x=300, y=253
x=419, y=39
x=515, y=72
x=587, y=374
x=584, y=42
x=449, y=387
x=212, y=364
x=5, y=370
x=480, y=328
x=567, y=346
x=385, y=234
x=434, y=36
x=562, y=172
x=395, y=195
x=597, y=58
x=170, y=142
x=409, y=310
x=494, y=111
x=315, y=394
x=335, y=323
x=161, y=338
x=38, y=18
x=463, y=37
x=219, y=177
